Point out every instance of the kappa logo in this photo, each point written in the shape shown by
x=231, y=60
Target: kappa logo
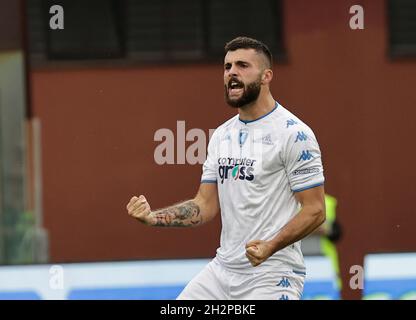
x=284, y=283
x=301, y=136
x=284, y=297
x=306, y=155
x=290, y=122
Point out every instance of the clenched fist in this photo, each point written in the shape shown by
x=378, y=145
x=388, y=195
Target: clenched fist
x=258, y=251
x=139, y=208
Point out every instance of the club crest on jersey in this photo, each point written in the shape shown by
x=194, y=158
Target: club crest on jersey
x=243, y=136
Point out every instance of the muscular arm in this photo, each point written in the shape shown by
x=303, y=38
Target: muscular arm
x=183, y=214
x=308, y=219
x=189, y=213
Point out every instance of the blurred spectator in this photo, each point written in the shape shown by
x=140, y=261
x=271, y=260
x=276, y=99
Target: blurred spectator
x=331, y=232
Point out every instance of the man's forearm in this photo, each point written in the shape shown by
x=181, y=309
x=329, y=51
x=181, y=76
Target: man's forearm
x=184, y=214
x=307, y=220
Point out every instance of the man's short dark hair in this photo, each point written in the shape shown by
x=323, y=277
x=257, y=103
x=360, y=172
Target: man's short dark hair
x=249, y=43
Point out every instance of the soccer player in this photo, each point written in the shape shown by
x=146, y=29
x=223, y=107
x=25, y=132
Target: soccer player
x=264, y=172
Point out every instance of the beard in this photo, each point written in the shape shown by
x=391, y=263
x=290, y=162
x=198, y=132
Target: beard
x=250, y=94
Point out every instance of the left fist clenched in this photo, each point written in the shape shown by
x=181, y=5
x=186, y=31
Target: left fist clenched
x=257, y=251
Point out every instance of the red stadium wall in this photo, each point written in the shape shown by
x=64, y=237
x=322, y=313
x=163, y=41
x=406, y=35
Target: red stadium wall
x=98, y=127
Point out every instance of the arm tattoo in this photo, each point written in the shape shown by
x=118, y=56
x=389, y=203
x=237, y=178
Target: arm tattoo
x=185, y=214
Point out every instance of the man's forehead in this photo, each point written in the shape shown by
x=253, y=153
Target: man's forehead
x=248, y=55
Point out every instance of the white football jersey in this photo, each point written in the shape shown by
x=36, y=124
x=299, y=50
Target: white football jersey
x=258, y=166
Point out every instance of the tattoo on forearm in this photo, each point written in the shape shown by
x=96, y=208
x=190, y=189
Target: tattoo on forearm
x=186, y=214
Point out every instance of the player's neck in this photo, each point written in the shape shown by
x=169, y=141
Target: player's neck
x=263, y=105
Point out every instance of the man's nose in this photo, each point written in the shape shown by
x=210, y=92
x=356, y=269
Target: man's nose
x=232, y=72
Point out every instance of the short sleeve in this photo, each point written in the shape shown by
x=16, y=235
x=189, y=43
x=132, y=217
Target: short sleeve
x=302, y=159
x=209, y=168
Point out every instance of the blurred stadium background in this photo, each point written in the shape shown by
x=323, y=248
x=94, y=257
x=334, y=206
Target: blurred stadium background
x=79, y=109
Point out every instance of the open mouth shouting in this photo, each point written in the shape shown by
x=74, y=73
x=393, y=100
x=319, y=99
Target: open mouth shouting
x=235, y=87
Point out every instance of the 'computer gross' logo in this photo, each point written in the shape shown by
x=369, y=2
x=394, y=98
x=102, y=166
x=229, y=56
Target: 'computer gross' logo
x=236, y=168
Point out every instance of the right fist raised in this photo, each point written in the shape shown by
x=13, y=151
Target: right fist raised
x=139, y=208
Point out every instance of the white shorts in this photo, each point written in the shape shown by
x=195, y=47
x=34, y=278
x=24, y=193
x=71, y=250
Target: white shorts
x=215, y=282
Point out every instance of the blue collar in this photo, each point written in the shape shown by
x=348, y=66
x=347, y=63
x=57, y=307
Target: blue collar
x=263, y=116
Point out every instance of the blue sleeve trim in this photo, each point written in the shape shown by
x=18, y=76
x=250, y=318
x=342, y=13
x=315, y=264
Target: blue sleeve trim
x=208, y=181
x=299, y=272
x=309, y=187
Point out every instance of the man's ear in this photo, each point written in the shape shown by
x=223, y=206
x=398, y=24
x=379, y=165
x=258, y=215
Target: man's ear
x=267, y=76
